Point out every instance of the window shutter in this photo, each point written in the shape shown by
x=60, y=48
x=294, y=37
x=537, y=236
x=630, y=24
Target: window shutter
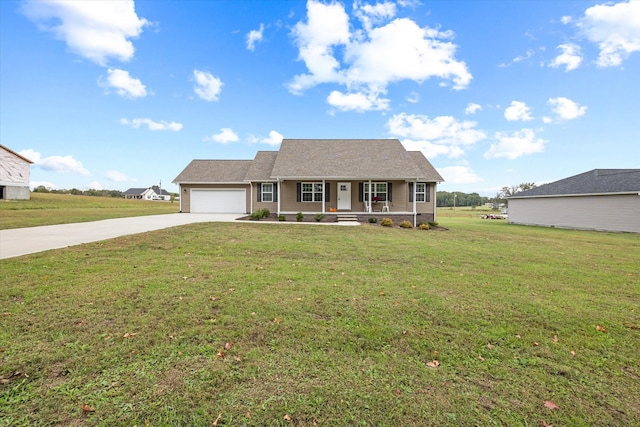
x=428, y=190
x=298, y=191
x=411, y=191
x=275, y=191
x=361, y=192
x=389, y=198
x=327, y=192
x=259, y=191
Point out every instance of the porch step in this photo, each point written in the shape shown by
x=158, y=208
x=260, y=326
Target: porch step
x=347, y=218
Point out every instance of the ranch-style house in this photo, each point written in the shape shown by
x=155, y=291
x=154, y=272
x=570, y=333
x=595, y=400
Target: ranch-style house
x=361, y=177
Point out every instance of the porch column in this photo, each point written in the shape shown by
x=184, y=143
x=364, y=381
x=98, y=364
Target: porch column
x=250, y=197
x=415, y=211
x=323, y=195
x=279, y=195
x=370, y=206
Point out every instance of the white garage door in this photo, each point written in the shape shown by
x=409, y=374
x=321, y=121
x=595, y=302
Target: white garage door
x=232, y=200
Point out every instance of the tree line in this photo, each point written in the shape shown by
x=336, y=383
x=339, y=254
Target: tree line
x=75, y=191
x=446, y=199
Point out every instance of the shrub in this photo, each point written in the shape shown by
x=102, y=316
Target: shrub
x=265, y=212
x=299, y=217
x=424, y=226
x=406, y=224
x=386, y=222
x=373, y=220
x=319, y=217
x=433, y=223
x=282, y=218
x=256, y=216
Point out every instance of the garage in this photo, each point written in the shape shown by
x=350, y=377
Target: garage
x=232, y=200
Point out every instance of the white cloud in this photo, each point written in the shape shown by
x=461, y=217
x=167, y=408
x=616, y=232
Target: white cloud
x=275, y=138
x=152, y=125
x=357, y=101
x=570, y=57
x=520, y=58
x=254, y=36
x=413, y=97
x=458, y=175
x=472, y=108
x=518, y=111
x=225, y=136
x=372, y=57
x=207, y=86
x=116, y=176
x=96, y=30
x=62, y=164
x=566, y=109
x=515, y=144
x=443, y=135
x=125, y=85
x=95, y=185
x=615, y=28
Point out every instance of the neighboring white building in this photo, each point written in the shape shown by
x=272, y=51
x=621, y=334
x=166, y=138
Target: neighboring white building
x=146, y=194
x=601, y=199
x=14, y=175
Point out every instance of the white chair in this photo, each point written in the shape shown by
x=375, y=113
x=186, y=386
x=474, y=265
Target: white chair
x=366, y=206
x=385, y=206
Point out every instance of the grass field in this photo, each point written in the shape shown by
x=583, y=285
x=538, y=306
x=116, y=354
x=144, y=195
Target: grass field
x=50, y=208
x=279, y=324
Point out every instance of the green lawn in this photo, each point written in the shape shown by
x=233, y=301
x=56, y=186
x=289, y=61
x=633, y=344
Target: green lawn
x=281, y=324
x=50, y=208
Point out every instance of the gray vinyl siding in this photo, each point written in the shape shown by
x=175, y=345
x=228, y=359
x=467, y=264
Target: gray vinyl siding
x=596, y=212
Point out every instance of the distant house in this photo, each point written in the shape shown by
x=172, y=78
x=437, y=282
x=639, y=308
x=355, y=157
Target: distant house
x=14, y=175
x=360, y=177
x=601, y=199
x=147, y=194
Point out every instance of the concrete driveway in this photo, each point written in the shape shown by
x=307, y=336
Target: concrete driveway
x=22, y=241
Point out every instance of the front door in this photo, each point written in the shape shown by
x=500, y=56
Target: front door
x=344, y=196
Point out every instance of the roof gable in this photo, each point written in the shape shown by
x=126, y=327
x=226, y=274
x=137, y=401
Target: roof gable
x=596, y=181
x=10, y=151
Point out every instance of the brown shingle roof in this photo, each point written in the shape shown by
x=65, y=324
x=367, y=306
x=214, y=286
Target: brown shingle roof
x=382, y=159
x=214, y=171
x=347, y=159
x=262, y=166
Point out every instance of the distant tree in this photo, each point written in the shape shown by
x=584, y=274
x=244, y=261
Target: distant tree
x=506, y=192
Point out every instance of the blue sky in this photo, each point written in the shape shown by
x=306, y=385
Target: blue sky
x=120, y=94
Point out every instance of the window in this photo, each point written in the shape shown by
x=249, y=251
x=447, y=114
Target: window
x=421, y=192
x=378, y=191
x=267, y=192
x=311, y=191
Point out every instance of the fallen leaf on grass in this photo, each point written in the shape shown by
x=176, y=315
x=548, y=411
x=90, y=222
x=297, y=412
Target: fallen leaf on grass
x=228, y=346
x=215, y=422
x=554, y=339
x=535, y=344
x=573, y=353
x=212, y=298
x=220, y=354
x=631, y=325
x=481, y=358
x=601, y=328
x=86, y=408
x=381, y=293
x=433, y=364
x=247, y=415
x=287, y=418
x=276, y=320
x=544, y=424
x=490, y=346
x=549, y=404
x=129, y=335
